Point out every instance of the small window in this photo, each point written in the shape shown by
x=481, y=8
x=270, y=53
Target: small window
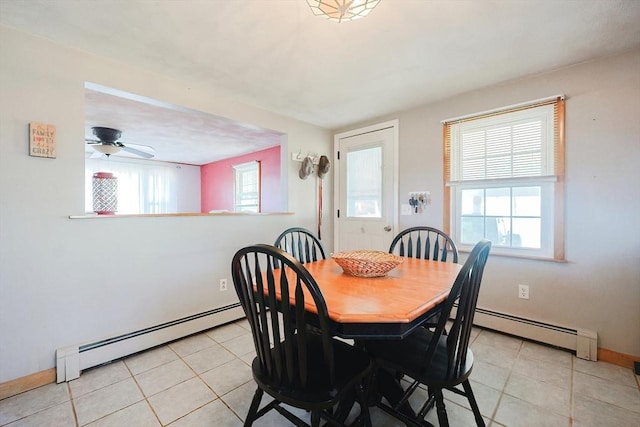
x=247, y=187
x=504, y=179
x=364, y=183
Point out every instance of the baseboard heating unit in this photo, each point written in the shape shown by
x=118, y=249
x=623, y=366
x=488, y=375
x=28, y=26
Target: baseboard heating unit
x=583, y=342
x=71, y=360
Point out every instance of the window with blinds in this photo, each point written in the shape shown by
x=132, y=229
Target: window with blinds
x=504, y=179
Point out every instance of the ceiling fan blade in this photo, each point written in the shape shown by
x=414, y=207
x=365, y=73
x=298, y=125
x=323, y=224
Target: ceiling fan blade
x=137, y=152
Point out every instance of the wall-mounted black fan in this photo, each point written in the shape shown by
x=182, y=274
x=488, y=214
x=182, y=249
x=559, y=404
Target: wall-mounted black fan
x=108, y=144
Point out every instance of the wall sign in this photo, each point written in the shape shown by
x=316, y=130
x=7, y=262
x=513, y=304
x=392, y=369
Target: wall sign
x=42, y=140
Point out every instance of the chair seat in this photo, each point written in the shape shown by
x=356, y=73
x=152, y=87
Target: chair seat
x=352, y=366
x=408, y=356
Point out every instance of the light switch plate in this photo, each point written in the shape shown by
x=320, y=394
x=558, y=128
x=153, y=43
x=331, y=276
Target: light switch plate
x=405, y=209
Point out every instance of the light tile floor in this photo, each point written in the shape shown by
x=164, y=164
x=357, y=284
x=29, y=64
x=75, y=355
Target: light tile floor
x=205, y=380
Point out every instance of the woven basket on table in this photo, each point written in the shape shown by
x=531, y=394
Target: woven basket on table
x=366, y=263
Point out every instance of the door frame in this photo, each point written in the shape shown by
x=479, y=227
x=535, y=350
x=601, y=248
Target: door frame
x=394, y=124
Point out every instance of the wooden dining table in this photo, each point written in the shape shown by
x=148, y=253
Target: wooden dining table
x=383, y=307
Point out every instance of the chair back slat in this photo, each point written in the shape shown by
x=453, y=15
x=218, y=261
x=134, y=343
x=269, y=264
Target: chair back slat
x=276, y=292
x=437, y=246
x=465, y=292
x=302, y=244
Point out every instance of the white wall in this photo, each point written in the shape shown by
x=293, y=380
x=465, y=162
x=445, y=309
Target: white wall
x=68, y=281
x=598, y=288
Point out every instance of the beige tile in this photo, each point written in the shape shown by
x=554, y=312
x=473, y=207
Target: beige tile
x=248, y=358
x=180, y=400
x=227, y=377
x=607, y=391
x=499, y=340
x=30, y=402
x=192, y=344
x=243, y=323
x=456, y=415
x=588, y=412
x=543, y=371
x=498, y=356
x=514, y=412
x=215, y=413
x=164, y=377
x=107, y=400
x=274, y=419
x=56, y=416
x=490, y=375
x=209, y=358
x=240, y=346
x=486, y=397
x=138, y=415
x=239, y=400
x=544, y=353
x=607, y=371
x=150, y=359
x=545, y=395
x=226, y=332
x=99, y=377
x=475, y=331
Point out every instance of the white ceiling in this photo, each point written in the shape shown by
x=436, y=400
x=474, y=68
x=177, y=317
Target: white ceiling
x=175, y=134
x=275, y=54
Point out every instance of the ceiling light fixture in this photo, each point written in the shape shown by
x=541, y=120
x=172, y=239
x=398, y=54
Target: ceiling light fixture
x=107, y=149
x=341, y=10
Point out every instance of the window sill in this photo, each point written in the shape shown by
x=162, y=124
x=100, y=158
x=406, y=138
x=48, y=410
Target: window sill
x=93, y=216
x=518, y=256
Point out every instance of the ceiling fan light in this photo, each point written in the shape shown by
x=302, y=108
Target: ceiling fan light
x=107, y=148
x=342, y=10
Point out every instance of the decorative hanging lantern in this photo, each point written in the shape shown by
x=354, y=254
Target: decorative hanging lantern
x=105, y=193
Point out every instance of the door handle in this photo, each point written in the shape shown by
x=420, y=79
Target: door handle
x=387, y=228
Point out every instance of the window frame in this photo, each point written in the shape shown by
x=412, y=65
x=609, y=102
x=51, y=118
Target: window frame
x=550, y=180
x=238, y=171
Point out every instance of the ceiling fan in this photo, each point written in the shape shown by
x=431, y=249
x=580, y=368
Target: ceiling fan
x=108, y=144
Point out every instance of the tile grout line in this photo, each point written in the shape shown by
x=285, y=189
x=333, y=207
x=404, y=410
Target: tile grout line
x=73, y=404
x=144, y=396
x=571, y=399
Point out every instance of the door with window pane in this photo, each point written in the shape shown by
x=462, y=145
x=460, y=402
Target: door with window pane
x=366, y=194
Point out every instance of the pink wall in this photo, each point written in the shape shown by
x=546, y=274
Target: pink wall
x=217, y=181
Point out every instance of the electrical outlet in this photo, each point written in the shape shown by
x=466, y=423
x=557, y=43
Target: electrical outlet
x=523, y=291
x=223, y=284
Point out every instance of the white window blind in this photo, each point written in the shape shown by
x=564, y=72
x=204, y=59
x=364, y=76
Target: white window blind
x=512, y=145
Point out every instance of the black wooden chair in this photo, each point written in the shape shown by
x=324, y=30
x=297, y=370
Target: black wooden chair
x=434, y=359
x=302, y=244
x=296, y=365
x=426, y=243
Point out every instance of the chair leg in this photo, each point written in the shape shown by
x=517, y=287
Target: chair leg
x=363, y=397
x=474, y=405
x=315, y=418
x=253, y=409
x=443, y=420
